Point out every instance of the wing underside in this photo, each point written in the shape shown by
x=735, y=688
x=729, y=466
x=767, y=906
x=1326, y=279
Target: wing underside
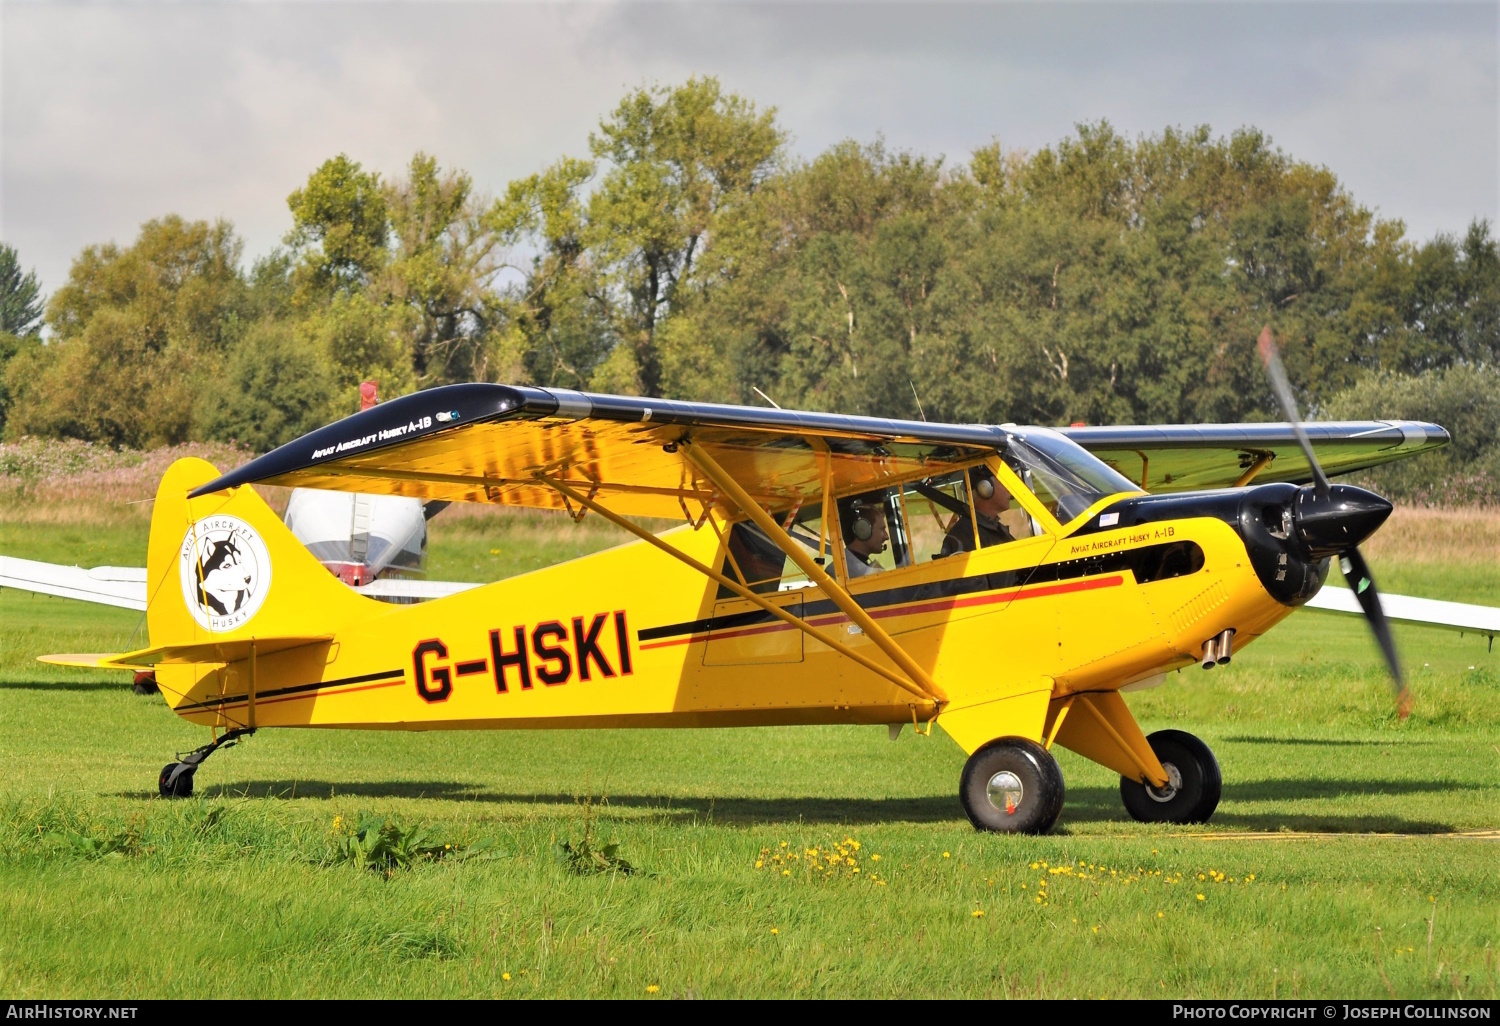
x=511, y=446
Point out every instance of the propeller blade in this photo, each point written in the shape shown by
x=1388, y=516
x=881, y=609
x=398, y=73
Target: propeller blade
x=1357, y=573
x=1284, y=398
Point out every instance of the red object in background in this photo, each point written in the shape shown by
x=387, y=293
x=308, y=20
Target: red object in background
x=369, y=394
x=1078, y=423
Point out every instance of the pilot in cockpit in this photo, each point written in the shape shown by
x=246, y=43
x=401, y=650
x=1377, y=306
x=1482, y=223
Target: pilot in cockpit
x=862, y=518
x=991, y=500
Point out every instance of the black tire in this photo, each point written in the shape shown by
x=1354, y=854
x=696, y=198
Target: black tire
x=1012, y=786
x=145, y=683
x=1193, y=794
x=182, y=787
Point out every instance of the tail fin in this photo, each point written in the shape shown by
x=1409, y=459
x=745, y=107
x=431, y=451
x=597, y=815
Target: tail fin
x=223, y=567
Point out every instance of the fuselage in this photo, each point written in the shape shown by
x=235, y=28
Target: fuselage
x=633, y=637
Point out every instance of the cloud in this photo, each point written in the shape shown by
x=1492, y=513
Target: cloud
x=111, y=115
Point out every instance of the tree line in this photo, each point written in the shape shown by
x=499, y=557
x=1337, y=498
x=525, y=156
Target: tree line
x=688, y=254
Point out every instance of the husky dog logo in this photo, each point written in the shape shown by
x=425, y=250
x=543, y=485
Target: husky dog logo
x=226, y=572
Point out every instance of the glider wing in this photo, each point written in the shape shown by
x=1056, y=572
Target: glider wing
x=1189, y=457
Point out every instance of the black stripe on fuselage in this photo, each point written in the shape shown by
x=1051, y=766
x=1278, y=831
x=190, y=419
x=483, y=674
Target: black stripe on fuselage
x=1148, y=563
x=295, y=689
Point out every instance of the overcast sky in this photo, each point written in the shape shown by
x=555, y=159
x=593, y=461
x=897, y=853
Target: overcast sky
x=112, y=114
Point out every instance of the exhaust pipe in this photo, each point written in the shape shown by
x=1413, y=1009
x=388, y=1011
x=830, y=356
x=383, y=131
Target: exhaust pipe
x=1219, y=649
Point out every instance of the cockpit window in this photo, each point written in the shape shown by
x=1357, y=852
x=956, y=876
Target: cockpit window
x=1063, y=475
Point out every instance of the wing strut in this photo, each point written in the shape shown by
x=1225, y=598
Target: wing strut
x=815, y=573
x=740, y=590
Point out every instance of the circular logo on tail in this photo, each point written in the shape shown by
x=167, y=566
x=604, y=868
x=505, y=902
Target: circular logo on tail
x=226, y=572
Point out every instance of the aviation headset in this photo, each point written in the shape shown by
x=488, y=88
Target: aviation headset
x=859, y=523
x=983, y=480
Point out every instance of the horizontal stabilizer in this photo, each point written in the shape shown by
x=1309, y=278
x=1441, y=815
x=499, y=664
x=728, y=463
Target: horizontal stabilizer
x=93, y=660
x=200, y=652
x=1458, y=616
x=123, y=586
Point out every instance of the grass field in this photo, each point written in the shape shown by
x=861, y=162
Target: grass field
x=1335, y=866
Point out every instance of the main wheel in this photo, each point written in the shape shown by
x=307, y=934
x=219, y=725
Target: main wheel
x=1193, y=782
x=1012, y=786
x=182, y=787
x=145, y=683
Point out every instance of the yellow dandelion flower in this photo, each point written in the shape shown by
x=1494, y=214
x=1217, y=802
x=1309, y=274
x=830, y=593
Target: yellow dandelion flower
x=946, y=855
x=774, y=931
x=1096, y=929
x=874, y=858
x=1161, y=915
x=653, y=989
x=1201, y=898
x=505, y=976
x=759, y=863
x=978, y=913
x=856, y=869
x=786, y=872
x=494, y=552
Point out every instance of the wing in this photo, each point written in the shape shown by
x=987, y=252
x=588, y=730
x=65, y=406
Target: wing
x=502, y=444
x=1458, y=616
x=1187, y=457
x=123, y=586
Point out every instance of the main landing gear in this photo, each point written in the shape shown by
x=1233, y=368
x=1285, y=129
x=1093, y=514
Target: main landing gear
x=176, y=779
x=1012, y=786
x=1193, y=782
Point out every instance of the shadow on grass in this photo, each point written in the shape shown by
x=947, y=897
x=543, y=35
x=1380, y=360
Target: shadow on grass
x=1100, y=804
x=65, y=685
x=723, y=810
x=1084, y=804
x=1321, y=742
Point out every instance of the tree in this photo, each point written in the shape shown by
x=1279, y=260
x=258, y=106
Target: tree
x=392, y=279
x=138, y=334
x=678, y=162
x=20, y=296
x=272, y=391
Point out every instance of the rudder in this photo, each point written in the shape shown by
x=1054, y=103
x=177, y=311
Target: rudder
x=223, y=567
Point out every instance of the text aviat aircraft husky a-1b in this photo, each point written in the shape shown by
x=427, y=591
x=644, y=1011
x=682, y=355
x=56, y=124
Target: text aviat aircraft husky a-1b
x=1000, y=581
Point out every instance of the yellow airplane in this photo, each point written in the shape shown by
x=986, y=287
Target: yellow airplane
x=999, y=581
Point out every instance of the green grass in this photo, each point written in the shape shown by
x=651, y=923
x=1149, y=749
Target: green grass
x=105, y=889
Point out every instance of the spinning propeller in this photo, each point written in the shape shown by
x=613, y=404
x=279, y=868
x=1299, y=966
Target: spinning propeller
x=1328, y=514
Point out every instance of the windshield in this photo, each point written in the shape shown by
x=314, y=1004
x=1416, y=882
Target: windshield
x=1061, y=473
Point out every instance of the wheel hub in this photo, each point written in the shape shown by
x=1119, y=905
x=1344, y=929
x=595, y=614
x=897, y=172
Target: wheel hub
x=1005, y=792
x=1174, y=784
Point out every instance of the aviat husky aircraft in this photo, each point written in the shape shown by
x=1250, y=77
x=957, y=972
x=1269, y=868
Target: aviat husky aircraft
x=1000, y=581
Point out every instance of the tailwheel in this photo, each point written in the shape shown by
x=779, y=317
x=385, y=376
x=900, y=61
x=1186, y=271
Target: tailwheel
x=1012, y=786
x=1193, y=782
x=176, y=780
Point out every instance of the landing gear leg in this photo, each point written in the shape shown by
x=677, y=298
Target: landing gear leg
x=176, y=779
x=1193, y=782
x=1012, y=786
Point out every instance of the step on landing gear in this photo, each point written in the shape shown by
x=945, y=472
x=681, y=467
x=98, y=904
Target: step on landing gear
x=1012, y=786
x=176, y=779
x=1193, y=782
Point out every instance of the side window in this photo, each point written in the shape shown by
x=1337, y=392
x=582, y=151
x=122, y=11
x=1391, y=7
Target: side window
x=872, y=526
x=961, y=512
x=755, y=560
